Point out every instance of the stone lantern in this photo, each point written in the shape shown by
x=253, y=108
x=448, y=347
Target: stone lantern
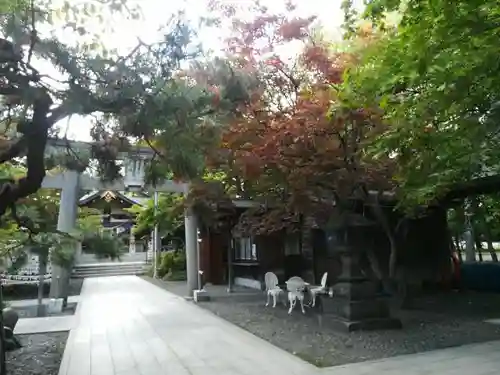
x=357, y=304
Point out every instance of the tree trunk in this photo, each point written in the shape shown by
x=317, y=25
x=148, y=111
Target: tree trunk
x=42, y=270
x=377, y=271
x=374, y=265
x=230, y=266
x=459, y=249
x=479, y=246
x=390, y=283
x=491, y=249
x=476, y=233
x=470, y=252
x=384, y=222
x=3, y=364
x=487, y=234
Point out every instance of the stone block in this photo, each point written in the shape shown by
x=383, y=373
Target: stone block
x=55, y=306
x=372, y=308
x=355, y=290
x=371, y=324
x=10, y=318
x=357, y=306
x=201, y=295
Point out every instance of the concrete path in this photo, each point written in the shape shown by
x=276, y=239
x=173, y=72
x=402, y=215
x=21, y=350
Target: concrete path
x=125, y=325
x=478, y=359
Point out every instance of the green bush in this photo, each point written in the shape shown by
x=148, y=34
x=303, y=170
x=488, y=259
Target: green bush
x=176, y=276
x=104, y=245
x=171, y=262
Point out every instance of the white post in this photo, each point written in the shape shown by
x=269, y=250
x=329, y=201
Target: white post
x=470, y=253
x=191, y=229
x=131, y=242
x=198, y=259
x=155, y=238
x=79, y=252
x=66, y=221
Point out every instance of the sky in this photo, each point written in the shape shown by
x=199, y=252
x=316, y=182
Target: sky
x=122, y=34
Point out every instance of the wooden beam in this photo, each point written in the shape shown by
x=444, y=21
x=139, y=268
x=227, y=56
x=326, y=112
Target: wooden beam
x=91, y=183
x=477, y=186
x=55, y=146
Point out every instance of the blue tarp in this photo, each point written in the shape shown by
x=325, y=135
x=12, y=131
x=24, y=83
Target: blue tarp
x=481, y=276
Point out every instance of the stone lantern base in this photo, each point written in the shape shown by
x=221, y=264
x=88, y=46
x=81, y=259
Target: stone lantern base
x=356, y=303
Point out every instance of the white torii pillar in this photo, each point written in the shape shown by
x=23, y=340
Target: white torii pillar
x=191, y=240
x=134, y=176
x=66, y=221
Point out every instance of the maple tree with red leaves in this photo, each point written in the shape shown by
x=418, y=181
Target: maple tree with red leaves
x=296, y=143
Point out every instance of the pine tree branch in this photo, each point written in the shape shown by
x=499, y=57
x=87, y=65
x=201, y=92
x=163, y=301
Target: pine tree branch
x=14, y=150
x=36, y=135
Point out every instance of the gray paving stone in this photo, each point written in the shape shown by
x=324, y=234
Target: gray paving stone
x=174, y=368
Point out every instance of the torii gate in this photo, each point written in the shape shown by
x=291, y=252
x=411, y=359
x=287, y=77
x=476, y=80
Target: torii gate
x=71, y=182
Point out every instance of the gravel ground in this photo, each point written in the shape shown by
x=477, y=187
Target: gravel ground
x=41, y=354
x=436, y=321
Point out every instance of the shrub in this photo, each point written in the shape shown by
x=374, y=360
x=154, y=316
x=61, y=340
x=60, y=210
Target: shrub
x=171, y=262
x=175, y=276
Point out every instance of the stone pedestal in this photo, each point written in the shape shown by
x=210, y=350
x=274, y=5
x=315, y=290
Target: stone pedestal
x=10, y=318
x=79, y=251
x=55, y=306
x=201, y=295
x=131, y=247
x=59, y=285
x=356, y=304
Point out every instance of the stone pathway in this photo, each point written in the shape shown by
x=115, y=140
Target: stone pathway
x=125, y=325
x=477, y=359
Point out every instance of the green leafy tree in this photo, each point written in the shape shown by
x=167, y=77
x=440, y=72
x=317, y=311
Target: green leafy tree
x=433, y=72
x=138, y=94
x=11, y=5
x=41, y=237
x=144, y=94
x=168, y=214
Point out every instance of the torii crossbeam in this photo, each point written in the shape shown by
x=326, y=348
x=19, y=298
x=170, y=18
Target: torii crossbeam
x=71, y=182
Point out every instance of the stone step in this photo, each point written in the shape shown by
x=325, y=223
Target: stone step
x=109, y=273
x=104, y=266
x=108, y=269
x=118, y=273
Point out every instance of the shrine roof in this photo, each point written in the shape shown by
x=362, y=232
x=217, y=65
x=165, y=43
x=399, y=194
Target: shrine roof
x=109, y=195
